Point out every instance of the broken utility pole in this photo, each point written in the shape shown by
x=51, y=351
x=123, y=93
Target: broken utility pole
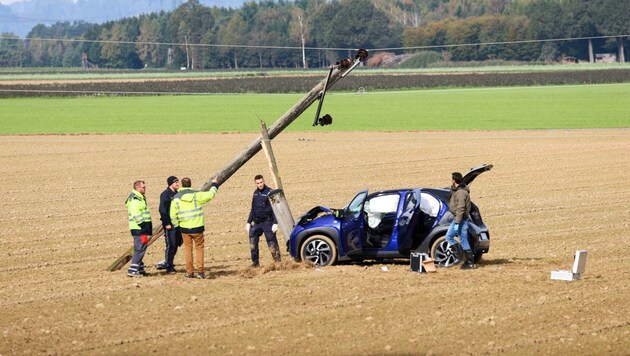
x=338, y=71
x=271, y=158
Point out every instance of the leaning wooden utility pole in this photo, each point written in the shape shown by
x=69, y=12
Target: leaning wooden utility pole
x=278, y=201
x=338, y=71
x=271, y=158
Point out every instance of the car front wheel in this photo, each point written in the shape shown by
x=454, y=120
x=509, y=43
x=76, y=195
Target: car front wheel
x=320, y=250
x=443, y=255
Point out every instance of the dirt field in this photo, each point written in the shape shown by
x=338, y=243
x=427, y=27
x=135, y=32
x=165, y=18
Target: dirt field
x=549, y=194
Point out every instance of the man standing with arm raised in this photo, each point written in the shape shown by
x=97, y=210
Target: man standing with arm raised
x=187, y=214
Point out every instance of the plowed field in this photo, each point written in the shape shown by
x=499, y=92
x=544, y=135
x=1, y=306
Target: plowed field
x=550, y=193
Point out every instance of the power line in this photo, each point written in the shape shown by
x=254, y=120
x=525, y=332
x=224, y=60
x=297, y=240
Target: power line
x=208, y=45
x=503, y=42
x=173, y=44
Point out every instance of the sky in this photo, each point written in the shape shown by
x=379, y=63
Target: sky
x=7, y=2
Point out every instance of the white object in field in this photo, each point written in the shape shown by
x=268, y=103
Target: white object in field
x=579, y=266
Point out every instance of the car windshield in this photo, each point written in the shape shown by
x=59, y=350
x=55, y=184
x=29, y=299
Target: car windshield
x=357, y=203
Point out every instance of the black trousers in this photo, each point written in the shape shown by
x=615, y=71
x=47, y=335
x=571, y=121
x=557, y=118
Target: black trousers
x=254, y=237
x=173, y=238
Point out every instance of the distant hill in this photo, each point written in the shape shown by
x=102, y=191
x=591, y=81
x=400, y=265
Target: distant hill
x=20, y=17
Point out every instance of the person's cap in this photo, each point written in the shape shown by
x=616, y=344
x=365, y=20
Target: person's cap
x=457, y=177
x=172, y=179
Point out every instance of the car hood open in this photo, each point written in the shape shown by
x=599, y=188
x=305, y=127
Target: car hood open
x=313, y=214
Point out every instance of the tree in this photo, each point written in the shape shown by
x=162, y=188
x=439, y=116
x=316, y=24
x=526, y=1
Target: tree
x=580, y=21
x=300, y=31
x=187, y=25
x=354, y=24
x=546, y=22
x=12, y=50
x=613, y=19
x=147, y=41
x=234, y=34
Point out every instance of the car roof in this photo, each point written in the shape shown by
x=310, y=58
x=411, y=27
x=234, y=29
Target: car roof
x=467, y=179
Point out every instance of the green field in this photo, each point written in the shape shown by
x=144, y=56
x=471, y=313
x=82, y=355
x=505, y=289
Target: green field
x=560, y=107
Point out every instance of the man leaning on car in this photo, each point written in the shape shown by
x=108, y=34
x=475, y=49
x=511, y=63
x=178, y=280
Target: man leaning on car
x=459, y=205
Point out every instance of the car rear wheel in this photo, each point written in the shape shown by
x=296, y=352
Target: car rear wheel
x=320, y=250
x=443, y=255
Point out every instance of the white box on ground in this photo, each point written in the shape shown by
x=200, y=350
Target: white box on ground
x=562, y=275
x=579, y=266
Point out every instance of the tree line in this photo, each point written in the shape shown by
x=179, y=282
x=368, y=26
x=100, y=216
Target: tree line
x=314, y=33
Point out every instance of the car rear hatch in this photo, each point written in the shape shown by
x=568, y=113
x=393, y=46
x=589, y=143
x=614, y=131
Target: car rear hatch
x=474, y=172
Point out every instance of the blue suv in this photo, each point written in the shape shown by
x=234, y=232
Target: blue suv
x=386, y=225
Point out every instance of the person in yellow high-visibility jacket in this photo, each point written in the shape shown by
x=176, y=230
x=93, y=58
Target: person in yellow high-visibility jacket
x=187, y=214
x=139, y=218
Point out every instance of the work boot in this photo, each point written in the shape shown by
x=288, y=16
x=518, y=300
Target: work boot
x=255, y=265
x=201, y=275
x=470, y=260
x=275, y=253
x=161, y=265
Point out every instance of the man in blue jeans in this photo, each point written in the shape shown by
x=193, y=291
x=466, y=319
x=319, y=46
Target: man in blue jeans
x=459, y=206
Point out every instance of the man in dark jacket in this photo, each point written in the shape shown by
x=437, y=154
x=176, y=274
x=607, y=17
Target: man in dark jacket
x=459, y=205
x=172, y=235
x=262, y=220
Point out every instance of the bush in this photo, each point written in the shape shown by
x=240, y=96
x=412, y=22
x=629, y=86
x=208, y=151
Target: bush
x=422, y=60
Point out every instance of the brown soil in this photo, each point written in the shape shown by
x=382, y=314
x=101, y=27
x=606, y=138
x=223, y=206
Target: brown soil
x=550, y=193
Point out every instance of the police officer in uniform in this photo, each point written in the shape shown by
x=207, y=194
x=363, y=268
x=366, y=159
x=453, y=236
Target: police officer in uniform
x=139, y=218
x=262, y=220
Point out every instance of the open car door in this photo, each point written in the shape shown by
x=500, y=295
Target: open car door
x=352, y=223
x=408, y=219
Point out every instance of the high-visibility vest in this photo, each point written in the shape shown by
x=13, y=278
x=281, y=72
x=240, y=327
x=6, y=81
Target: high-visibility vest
x=137, y=210
x=186, y=208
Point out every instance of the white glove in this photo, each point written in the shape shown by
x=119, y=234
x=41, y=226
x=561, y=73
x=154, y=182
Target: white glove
x=274, y=228
x=248, y=226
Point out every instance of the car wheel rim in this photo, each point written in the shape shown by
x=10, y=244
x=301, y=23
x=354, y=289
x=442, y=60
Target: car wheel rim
x=444, y=256
x=318, y=252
